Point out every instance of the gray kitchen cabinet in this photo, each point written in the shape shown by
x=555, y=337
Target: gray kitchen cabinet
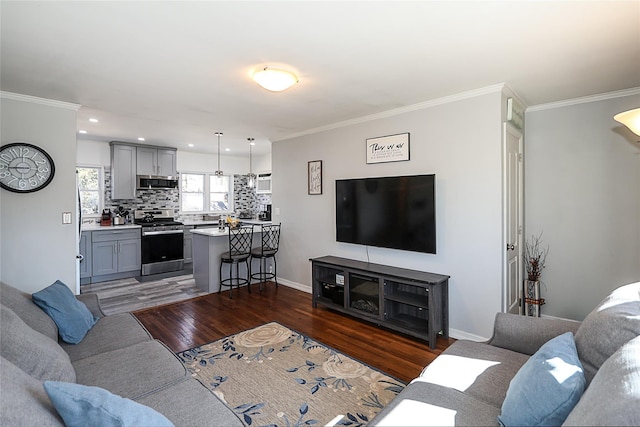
x=123, y=171
x=86, y=269
x=188, y=244
x=115, y=254
x=156, y=161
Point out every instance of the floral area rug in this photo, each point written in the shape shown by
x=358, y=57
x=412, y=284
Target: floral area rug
x=274, y=376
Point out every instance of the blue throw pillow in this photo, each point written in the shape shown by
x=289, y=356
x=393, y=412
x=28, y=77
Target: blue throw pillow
x=81, y=405
x=547, y=387
x=72, y=317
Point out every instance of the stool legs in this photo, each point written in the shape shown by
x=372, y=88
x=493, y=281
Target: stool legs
x=237, y=279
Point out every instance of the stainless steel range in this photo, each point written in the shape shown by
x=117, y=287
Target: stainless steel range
x=162, y=241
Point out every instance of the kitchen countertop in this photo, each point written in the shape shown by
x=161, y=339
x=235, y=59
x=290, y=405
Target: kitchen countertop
x=94, y=226
x=215, y=232
x=197, y=222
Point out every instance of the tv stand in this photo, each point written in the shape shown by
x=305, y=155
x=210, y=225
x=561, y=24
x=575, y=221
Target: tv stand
x=408, y=301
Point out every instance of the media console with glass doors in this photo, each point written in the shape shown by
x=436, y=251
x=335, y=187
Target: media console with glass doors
x=408, y=301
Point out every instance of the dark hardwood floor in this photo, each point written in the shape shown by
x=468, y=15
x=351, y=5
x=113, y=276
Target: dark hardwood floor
x=200, y=320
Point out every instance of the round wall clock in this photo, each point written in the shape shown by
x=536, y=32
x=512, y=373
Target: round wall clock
x=25, y=168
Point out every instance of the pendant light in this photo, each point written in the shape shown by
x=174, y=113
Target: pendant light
x=251, y=177
x=219, y=172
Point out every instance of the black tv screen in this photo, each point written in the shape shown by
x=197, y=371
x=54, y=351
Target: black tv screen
x=396, y=212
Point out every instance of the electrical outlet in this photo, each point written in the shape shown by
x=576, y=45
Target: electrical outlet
x=66, y=217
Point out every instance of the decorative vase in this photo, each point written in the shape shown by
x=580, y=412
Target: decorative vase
x=532, y=300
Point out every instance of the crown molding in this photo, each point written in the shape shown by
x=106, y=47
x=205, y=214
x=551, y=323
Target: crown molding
x=402, y=110
x=41, y=101
x=585, y=99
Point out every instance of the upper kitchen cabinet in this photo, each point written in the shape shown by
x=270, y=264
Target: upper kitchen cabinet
x=156, y=161
x=123, y=171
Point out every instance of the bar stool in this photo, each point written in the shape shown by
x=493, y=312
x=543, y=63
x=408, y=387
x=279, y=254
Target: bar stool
x=240, y=240
x=268, y=249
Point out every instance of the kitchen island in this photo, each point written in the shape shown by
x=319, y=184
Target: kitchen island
x=208, y=245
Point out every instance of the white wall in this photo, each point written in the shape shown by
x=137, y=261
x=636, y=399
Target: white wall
x=36, y=248
x=582, y=190
x=458, y=141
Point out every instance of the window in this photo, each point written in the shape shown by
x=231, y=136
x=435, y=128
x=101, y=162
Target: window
x=205, y=193
x=90, y=189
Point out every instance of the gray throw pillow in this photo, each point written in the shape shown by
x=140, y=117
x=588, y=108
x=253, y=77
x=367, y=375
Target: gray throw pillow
x=613, y=398
x=613, y=323
x=28, y=349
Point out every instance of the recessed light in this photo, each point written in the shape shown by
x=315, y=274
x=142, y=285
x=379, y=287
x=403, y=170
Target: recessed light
x=191, y=145
x=93, y=120
x=140, y=139
x=82, y=131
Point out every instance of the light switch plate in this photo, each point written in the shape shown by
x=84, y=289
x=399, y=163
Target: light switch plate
x=66, y=217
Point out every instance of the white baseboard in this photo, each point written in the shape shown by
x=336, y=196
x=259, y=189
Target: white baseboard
x=462, y=335
x=295, y=285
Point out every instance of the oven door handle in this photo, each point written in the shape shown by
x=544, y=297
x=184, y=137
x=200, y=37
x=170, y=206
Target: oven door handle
x=156, y=233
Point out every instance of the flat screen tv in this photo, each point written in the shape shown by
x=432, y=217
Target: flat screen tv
x=396, y=212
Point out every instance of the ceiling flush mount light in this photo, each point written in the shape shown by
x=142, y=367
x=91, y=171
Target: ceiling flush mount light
x=275, y=79
x=630, y=119
x=251, y=177
x=219, y=173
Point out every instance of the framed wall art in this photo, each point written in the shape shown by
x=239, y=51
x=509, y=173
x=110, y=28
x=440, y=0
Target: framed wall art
x=392, y=148
x=314, y=176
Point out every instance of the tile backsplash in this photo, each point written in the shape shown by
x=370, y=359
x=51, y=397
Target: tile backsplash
x=246, y=199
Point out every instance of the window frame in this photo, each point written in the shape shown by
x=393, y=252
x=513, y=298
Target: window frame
x=101, y=186
x=206, y=194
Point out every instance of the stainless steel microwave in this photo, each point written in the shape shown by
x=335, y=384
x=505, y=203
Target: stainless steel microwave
x=147, y=182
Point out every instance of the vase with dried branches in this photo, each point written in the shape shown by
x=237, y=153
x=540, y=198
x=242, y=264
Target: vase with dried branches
x=535, y=258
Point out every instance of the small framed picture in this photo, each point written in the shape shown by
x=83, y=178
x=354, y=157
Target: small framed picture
x=314, y=174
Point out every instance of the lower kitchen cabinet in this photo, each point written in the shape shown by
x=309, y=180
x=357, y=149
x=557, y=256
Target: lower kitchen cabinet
x=115, y=254
x=188, y=244
x=86, y=270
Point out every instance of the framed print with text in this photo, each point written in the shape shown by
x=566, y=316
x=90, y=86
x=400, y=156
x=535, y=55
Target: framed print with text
x=392, y=148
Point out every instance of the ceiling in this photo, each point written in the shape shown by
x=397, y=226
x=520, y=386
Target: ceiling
x=176, y=72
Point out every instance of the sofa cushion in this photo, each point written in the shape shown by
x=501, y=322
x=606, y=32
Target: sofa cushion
x=72, y=317
x=482, y=371
x=24, y=401
x=613, y=397
x=133, y=371
x=28, y=349
x=426, y=404
x=22, y=304
x=547, y=387
x=109, y=333
x=81, y=405
x=201, y=408
x=614, y=322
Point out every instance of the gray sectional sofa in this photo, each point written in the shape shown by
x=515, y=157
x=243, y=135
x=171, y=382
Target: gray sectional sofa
x=473, y=383
x=117, y=355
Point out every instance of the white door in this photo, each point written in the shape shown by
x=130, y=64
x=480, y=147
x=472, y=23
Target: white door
x=513, y=205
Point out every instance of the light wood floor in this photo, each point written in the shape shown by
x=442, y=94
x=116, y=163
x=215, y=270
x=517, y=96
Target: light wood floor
x=125, y=295
x=200, y=320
